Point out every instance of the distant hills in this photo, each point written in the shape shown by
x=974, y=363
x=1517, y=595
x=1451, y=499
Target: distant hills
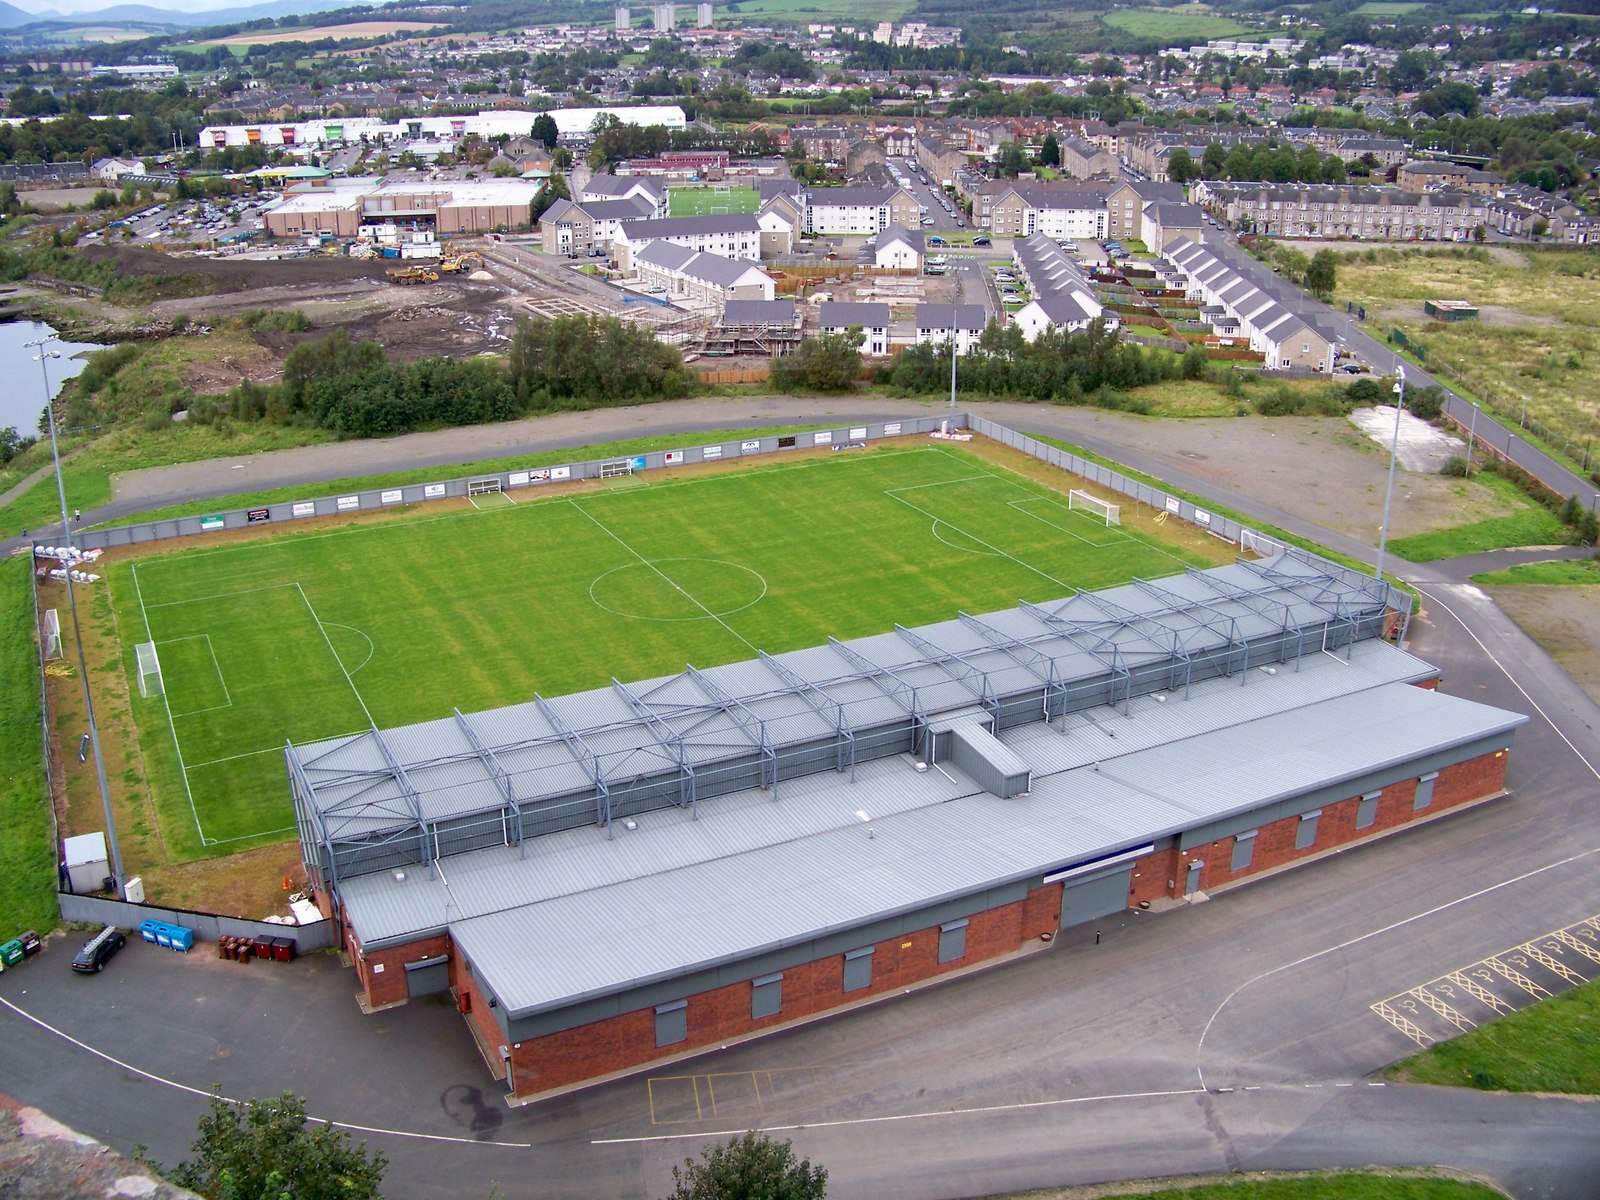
x=12, y=17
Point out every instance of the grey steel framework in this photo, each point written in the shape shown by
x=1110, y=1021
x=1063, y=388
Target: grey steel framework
x=388, y=799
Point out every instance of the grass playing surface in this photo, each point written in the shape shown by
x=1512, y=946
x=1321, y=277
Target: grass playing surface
x=707, y=201
x=325, y=633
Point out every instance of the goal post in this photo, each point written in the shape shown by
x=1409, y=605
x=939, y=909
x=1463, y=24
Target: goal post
x=1100, y=509
x=483, y=487
x=1259, y=544
x=52, y=634
x=150, y=683
x=616, y=467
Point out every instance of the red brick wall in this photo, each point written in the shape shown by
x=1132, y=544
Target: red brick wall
x=1275, y=846
x=629, y=1040
x=389, y=985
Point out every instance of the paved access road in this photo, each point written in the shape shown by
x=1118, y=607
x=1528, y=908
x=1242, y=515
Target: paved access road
x=1239, y=1034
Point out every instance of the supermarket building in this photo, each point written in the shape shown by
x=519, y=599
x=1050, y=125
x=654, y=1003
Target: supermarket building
x=616, y=878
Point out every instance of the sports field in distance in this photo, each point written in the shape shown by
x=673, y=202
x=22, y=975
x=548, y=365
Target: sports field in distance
x=326, y=632
x=708, y=201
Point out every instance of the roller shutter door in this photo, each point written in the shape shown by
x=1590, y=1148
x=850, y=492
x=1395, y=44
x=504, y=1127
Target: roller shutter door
x=427, y=976
x=1085, y=899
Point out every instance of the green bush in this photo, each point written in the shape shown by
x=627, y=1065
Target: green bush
x=1456, y=467
x=275, y=320
x=1367, y=391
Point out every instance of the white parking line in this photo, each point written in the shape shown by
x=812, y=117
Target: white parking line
x=194, y=1091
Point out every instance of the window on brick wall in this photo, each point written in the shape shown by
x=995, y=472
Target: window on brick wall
x=1425, y=790
x=953, y=940
x=1367, y=810
x=672, y=1023
x=858, y=969
x=1305, y=833
x=1244, y=849
x=766, y=996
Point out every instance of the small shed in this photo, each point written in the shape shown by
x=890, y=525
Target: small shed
x=1450, y=310
x=87, y=862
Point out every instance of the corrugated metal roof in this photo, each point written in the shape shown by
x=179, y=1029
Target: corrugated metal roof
x=578, y=915
x=380, y=784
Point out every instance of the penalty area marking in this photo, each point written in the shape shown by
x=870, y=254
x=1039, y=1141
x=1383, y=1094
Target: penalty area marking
x=227, y=699
x=370, y=648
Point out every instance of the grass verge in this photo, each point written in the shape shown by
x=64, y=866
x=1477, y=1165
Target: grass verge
x=1568, y=572
x=489, y=466
x=27, y=852
x=1320, y=1185
x=1552, y=1046
x=1535, y=525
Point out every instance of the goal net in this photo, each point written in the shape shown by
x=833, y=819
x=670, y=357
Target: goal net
x=615, y=468
x=483, y=487
x=52, y=634
x=1259, y=544
x=1104, y=510
x=149, y=670
x=722, y=189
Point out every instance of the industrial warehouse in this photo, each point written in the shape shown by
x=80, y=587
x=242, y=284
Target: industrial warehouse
x=614, y=878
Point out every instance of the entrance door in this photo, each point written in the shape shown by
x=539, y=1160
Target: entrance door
x=1085, y=899
x=1191, y=885
x=427, y=976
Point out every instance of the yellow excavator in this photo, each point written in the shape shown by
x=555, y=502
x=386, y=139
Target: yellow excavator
x=469, y=261
x=412, y=275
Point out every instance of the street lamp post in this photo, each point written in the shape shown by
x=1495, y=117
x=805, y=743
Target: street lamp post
x=955, y=311
x=1472, y=438
x=72, y=606
x=1394, y=454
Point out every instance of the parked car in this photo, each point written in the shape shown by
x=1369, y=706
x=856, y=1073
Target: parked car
x=981, y=240
x=97, y=951
x=656, y=290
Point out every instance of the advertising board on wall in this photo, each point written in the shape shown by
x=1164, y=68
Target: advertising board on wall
x=433, y=491
x=258, y=514
x=391, y=496
x=304, y=508
x=346, y=503
x=214, y=521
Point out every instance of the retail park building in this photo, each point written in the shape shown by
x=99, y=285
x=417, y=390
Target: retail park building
x=611, y=879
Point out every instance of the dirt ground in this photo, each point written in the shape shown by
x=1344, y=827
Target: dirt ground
x=1563, y=621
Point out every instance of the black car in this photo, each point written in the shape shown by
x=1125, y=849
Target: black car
x=97, y=951
x=981, y=240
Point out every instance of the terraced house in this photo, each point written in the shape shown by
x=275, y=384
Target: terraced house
x=1379, y=213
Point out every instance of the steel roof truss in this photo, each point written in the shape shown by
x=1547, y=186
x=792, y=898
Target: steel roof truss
x=410, y=794
x=584, y=755
x=502, y=779
x=1173, y=649
x=890, y=684
x=1100, y=647
x=974, y=679
x=1206, y=616
x=824, y=705
x=754, y=727
x=1037, y=663
x=1265, y=606
x=669, y=740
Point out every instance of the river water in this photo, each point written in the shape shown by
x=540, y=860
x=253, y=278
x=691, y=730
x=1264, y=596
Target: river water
x=22, y=400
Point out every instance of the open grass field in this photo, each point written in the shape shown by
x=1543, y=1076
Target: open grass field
x=1330, y=1185
x=318, y=634
x=1536, y=345
x=705, y=201
x=1528, y=524
x=825, y=10
x=1388, y=8
x=1176, y=26
x=356, y=29
x=1546, y=1047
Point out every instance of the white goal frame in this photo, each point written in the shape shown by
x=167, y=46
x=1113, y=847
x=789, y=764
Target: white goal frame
x=52, y=635
x=149, y=669
x=1259, y=544
x=483, y=487
x=1078, y=501
x=722, y=189
x=616, y=467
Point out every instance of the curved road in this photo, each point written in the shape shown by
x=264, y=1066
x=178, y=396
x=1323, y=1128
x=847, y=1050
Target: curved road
x=1236, y=1035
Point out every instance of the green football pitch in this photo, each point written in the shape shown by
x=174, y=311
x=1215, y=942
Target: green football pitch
x=707, y=201
x=312, y=635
